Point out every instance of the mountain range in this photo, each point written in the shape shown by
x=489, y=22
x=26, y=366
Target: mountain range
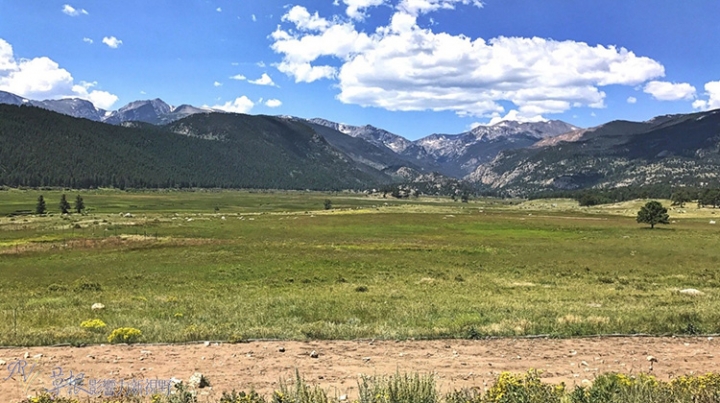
x=676, y=150
x=154, y=111
x=508, y=157
x=456, y=155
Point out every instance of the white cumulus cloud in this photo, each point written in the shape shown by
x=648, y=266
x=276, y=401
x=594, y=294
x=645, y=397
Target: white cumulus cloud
x=101, y=99
x=356, y=8
x=217, y=84
x=219, y=10
x=666, y=91
x=241, y=104
x=112, y=41
x=88, y=40
x=42, y=78
x=303, y=20
x=404, y=67
x=238, y=77
x=417, y=7
x=712, y=91
x=263, y=80
x=632, y=100
x=72, y=11
x=273, y=103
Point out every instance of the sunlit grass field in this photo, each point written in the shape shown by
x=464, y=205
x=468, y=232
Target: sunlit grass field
x=238, y=265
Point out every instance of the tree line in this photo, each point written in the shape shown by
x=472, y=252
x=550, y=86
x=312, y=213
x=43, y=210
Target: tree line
x=64, y=205
x=705, y=196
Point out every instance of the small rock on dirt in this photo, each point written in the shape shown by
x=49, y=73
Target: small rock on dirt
x=314, y=354
x=691, y=291
x=198, y=381
x=2, y=363
x=281, y=349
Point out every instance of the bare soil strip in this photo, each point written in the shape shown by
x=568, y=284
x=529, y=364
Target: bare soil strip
x=455, y=363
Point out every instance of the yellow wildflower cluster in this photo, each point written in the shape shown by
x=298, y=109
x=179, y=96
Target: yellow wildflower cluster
x=95, y=325
x=48, y=398
x=523, y=388
x=124, y=335
x=696, y=384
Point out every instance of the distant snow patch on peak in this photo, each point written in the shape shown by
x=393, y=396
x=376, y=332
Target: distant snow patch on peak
x=369, y=133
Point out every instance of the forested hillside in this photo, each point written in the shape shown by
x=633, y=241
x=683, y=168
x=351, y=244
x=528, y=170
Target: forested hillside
x=43, y=148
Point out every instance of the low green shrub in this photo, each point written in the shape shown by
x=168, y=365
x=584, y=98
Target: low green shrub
x=300, y=392
x=398, y=389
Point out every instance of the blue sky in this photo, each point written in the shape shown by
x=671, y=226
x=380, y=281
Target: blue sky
x=413, y=67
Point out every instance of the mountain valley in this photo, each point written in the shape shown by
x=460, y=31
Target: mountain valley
x=192, y=146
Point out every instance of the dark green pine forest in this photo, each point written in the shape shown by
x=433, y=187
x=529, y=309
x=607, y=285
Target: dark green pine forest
x=42, y=148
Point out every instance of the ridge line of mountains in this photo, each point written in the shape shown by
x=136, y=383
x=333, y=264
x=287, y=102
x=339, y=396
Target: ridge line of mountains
x=152, y=144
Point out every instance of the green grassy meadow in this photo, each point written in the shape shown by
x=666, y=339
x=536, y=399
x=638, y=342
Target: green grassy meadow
x=237, y=265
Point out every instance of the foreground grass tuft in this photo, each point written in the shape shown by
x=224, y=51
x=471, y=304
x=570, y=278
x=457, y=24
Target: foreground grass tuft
x=508, y=388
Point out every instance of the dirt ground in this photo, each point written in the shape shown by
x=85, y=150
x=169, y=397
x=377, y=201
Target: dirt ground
x=339, y=364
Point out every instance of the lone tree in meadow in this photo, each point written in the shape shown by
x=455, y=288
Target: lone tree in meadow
x=327, y=204
x=40, y=207
x=653, y=213
x=64, y=205
x=79, y=204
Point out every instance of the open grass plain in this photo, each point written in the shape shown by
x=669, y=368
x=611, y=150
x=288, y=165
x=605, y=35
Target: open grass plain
x=361, y=284
x=238, y=265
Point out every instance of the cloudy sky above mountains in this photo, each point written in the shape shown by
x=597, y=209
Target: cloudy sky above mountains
x=413, y=67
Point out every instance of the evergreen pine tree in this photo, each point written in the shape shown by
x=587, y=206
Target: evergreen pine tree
x=64, y=205
x=40, y=206
x=79, y=204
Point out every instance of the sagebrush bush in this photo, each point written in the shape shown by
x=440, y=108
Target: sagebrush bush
x=398, y=389
x=300, y=392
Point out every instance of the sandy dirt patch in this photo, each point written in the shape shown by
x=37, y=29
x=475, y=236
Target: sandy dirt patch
x=261, y=365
